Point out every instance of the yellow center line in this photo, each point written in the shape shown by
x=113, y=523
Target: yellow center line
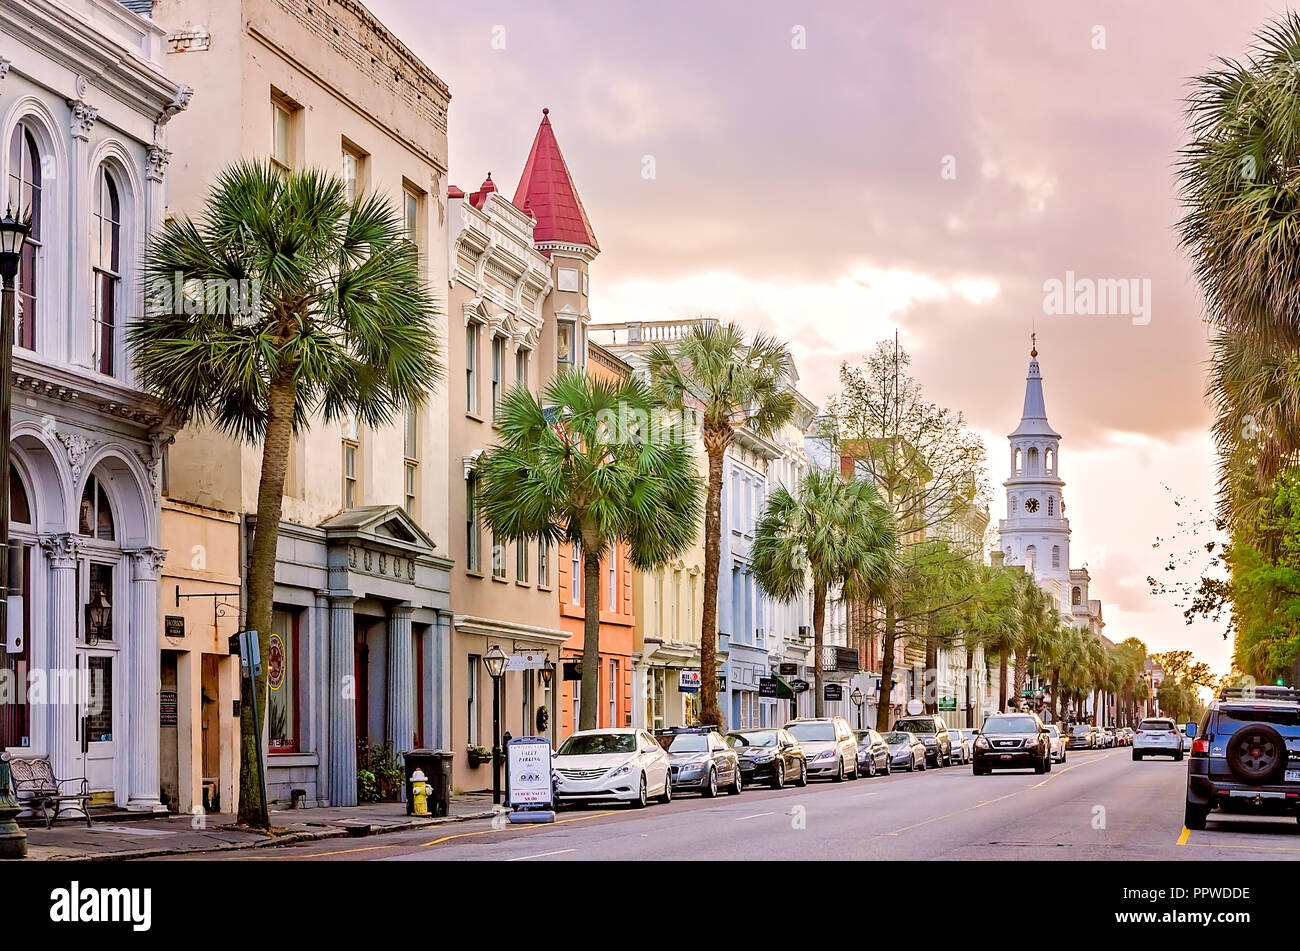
x=538, y=827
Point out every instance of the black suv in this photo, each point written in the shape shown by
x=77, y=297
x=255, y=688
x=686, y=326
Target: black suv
x=933, y=732
x=1012, y=741
x=1245, y=755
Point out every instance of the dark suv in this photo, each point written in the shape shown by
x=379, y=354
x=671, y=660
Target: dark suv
x=933, y=732
x=1012, y=741
x=1245, y=755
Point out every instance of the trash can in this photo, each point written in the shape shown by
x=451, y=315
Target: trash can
x=436, y=765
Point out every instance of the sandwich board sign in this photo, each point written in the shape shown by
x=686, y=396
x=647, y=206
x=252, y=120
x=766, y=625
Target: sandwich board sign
x=529, y=792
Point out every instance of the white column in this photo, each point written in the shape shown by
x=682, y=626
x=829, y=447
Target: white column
x=401, y=678
x=143, y=664
x=60, y=655
x=342, y=687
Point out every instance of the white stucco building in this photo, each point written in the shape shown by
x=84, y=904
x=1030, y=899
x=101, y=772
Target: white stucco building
x=84, y=107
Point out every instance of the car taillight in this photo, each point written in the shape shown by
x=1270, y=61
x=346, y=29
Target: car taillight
x=1200, y=746
x=1173, y=732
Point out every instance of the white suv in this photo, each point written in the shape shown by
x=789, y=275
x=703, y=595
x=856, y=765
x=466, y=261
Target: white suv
x=1158, y=736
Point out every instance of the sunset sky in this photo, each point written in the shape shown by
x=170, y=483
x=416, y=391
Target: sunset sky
x=800, y=191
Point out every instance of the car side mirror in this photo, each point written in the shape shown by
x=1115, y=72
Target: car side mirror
x=1191, y=730
x=974, y=732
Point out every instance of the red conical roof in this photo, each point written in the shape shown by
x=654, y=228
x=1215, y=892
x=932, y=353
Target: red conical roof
x=546, y=191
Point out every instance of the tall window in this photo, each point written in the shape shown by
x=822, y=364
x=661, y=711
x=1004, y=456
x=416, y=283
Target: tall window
x=99, y=586
x=521, y=560
x=25, y=198
x=471, y=368
x=282, y=115
x=1056, y=556
x=105, y=259
x=1031, y=557
x=410, y=449
x=613, y=692
x=1049, y=460
x=351, y=463
x=411, y=215
x=471, y=700
x=282, y=683
x=1076, y=596
x=521, y=367
x=1018, y=462
x=498, y=372
x=565, y=342
x=473, y=556
x=498, y=557
x=351, y=173
x=96, y=517
x=543, y=565
x=613, y=581
x=575, y=574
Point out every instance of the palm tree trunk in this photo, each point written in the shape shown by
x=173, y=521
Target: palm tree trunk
x=709, y=709
x=884, y=710
x=819, y=620
x=278, y=440
x=1002, y=682
x=931, y=688
x=1018, y=680
x=970, y=686
x=590, y=637
x=1058, y=709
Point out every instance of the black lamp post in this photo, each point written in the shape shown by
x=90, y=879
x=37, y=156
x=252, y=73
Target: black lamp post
x=548, y=675
x=13, y=233
x=495, y=661
x=857, y=698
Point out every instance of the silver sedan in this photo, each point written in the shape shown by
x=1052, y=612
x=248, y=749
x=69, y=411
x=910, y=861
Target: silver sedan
x=961, y=746
x=906, y=751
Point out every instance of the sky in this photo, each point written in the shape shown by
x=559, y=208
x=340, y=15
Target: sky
x=834, y=171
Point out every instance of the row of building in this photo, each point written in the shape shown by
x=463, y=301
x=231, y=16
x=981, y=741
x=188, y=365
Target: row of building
x=389, y=591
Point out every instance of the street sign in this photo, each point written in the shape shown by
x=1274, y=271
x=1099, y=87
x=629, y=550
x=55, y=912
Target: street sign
x=529, y=792
x=688, y=681
x=788, y=670
x=832, y=692
x=767, y=687
x=799, y=686
x=948, y=704
x=526, y=660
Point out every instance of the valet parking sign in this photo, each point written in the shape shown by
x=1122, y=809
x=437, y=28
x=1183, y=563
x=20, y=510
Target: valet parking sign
x=528, y=779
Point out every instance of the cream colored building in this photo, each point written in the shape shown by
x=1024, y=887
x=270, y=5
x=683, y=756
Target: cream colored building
x=361, y=634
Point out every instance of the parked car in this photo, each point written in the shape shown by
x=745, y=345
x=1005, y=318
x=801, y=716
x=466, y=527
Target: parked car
x=620, y=765
x=1012, y=741
x=961, y=747
x=1081, y=737
x=1098, y=738
x=1112, y=738
x=1056, y=742
x=701, y=760
x=829, y=746
x=769, y=756
x=906, y=751
x=1126, y=735
x=1158, y=736
x=873, y=753
x=933, y=732
x=1245, y=755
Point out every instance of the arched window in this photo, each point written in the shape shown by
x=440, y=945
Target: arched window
x=1032, y=462
x=1076, y=596
x=96, y=515
x=1018, y=463
x=1056, y=556
x=19, y=510
x=1049, y=459
x=1031, y=557
x=105, y=262
x=25, y=198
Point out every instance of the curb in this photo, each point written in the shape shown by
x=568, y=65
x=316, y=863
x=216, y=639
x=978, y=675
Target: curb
x=292, y=838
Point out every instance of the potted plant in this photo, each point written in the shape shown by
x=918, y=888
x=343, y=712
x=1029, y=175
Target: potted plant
x=479, y=755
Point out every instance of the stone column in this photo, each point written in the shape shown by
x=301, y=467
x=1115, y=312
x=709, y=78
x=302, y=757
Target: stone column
x=61, y=553
x=342, y=689
x=401, y=678
x=143, y=660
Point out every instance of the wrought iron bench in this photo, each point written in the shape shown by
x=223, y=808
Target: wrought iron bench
x=34, y=777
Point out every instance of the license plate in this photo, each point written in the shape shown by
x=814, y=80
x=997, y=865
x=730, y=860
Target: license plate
x=1006, y=756
x=1293, y=775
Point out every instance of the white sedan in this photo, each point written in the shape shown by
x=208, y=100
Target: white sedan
x=615, y=765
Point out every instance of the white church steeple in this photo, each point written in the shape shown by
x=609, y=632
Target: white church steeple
x=1036, y=532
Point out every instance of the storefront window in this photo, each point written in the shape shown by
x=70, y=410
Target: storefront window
x=99, y=708
x=282, y=683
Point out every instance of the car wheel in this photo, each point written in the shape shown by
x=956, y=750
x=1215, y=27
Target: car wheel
x=735, y=783
x=1178, y=757
x=1194, y=816
x=871, y=768
x=1049, y=764
x=711, y=787
x=1136, y=756
x=779, y=781
x=839, y=772
x=803, y=774
x=885, y=770
x=1039, y=769
x=667, y=797
x=641, y=800
x=925, y=764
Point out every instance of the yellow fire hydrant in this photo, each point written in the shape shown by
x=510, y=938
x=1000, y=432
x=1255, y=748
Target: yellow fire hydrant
x=420, y=792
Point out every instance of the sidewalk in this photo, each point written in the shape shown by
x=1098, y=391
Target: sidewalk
x=144, y=838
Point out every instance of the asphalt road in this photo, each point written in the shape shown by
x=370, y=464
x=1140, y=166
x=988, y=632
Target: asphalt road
x=1098, y=805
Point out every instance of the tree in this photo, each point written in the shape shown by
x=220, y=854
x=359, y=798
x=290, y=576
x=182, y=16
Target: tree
x=993, y=622
x=334, y=320
x=725, y=382
x=834, y=529
x=587, y=467
x=1039, y=622
x=928, y=469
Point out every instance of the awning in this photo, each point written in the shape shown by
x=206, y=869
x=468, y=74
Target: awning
x=783, y=690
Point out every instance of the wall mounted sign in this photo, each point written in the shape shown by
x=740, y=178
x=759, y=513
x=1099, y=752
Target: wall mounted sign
x=167, y=708
x=832, y=692
x=174, y=626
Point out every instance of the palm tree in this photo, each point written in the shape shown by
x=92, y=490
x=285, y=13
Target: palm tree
x=339, y=322
x=582, y=468
x=1038, y=620
x=726, y=382
x=835, y=530
x=1241, y=196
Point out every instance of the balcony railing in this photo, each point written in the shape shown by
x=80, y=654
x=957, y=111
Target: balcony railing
x=840, y=658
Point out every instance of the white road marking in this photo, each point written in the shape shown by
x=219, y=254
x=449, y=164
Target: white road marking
x=540, y=855
x=756, y=815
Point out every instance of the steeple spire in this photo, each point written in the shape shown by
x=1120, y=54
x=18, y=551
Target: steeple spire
x=1033, y=420
x=546, y=191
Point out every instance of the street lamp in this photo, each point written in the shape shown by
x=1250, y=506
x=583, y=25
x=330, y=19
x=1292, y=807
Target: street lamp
x=98, y=614
x=13, y=234
x=857, y=698
x=495, y=661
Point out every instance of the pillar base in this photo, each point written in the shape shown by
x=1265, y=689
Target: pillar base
x=145, y=805
x=13, y=844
